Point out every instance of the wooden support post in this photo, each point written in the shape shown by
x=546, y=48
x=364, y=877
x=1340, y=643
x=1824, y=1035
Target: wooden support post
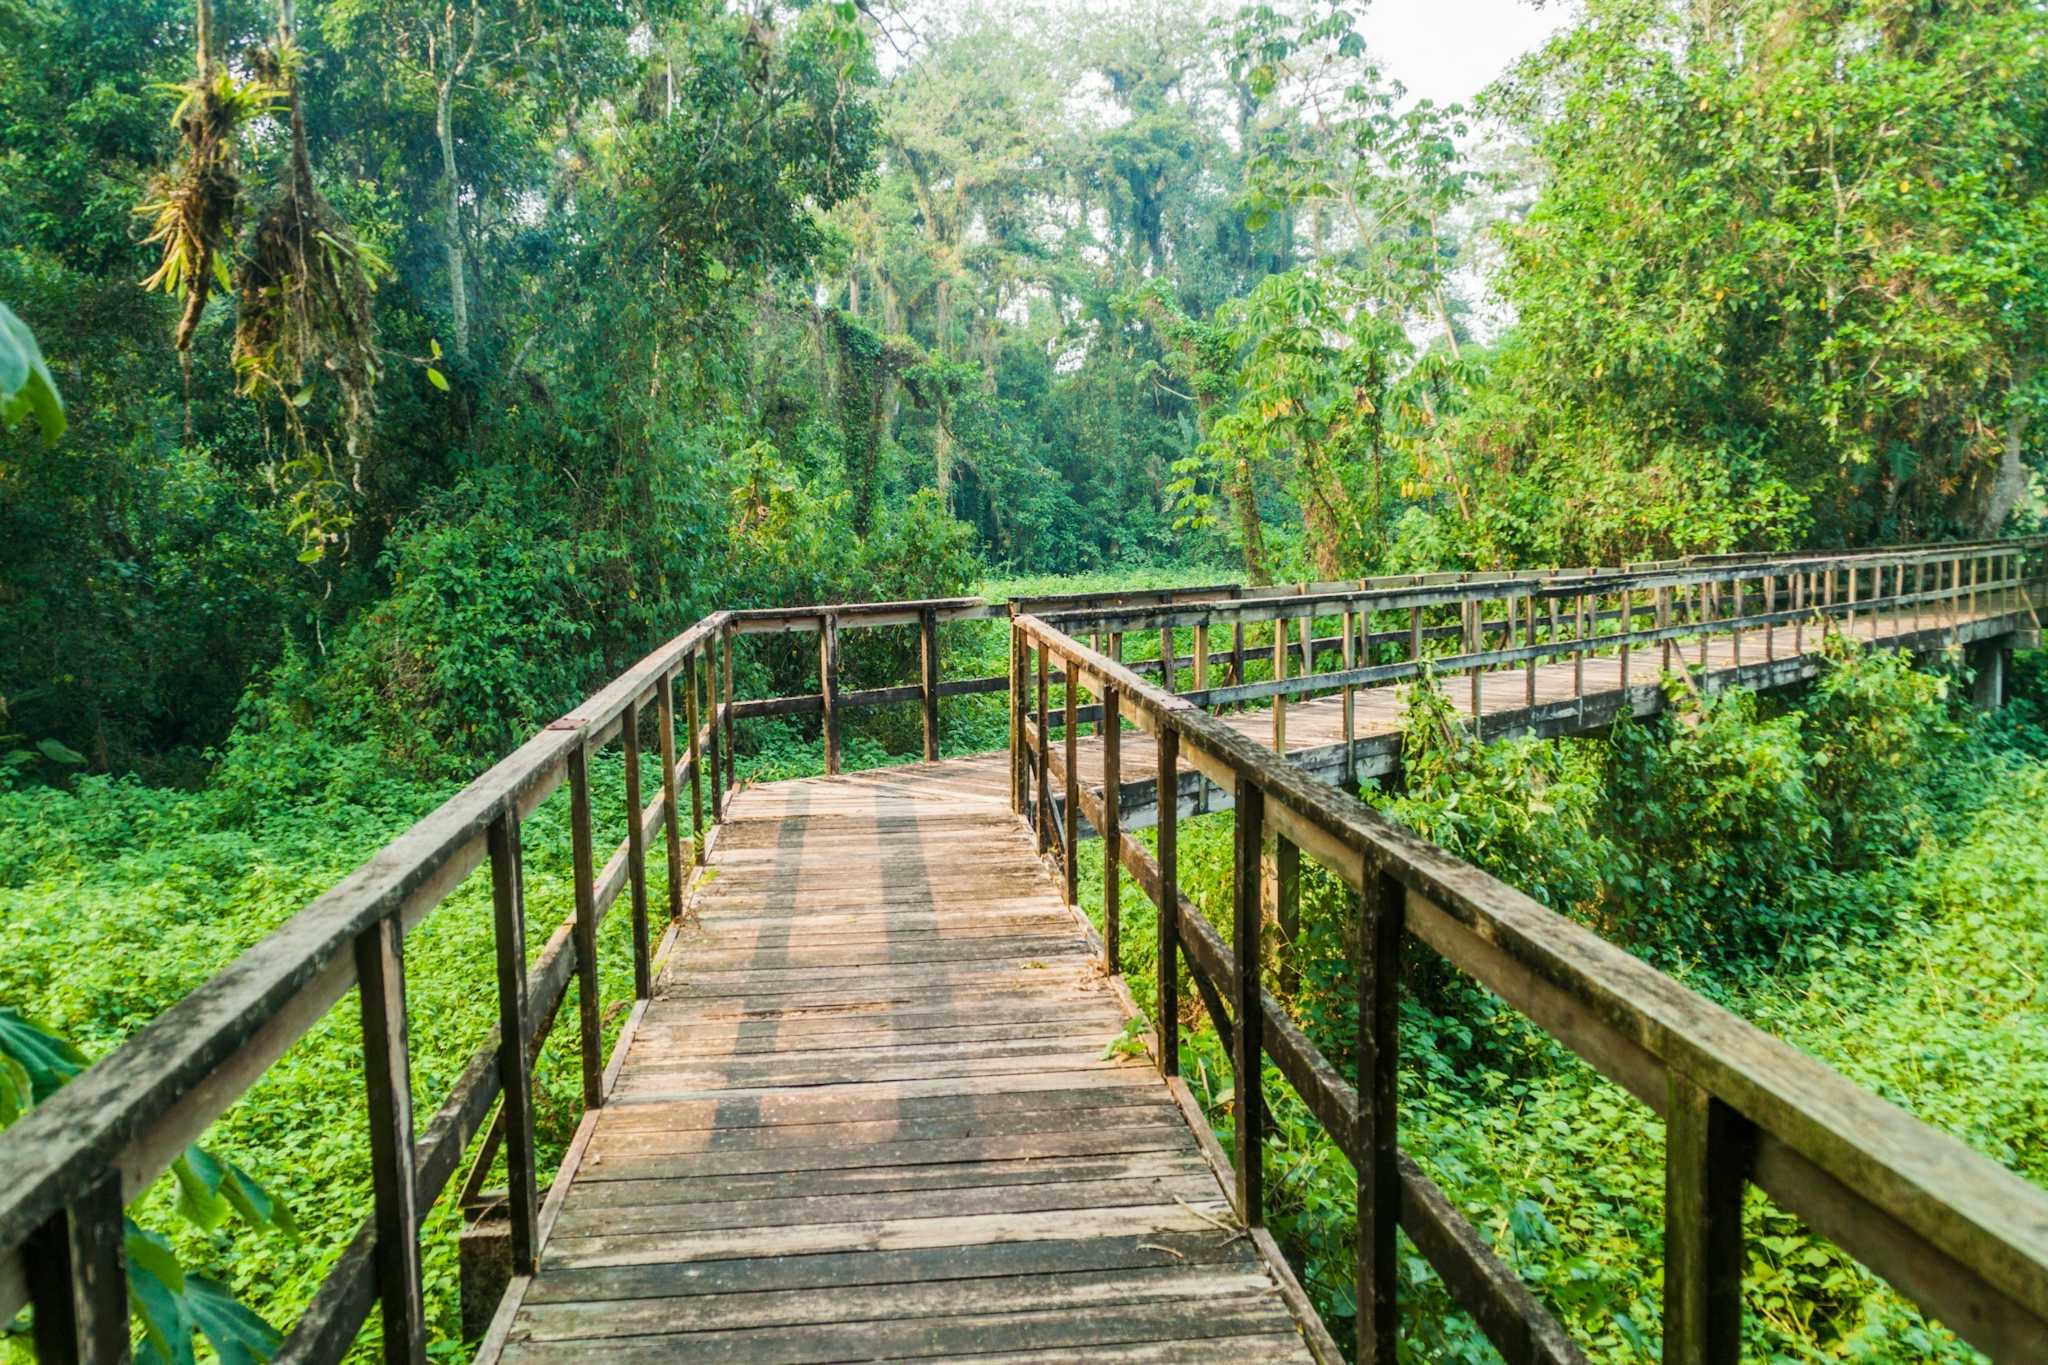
x=1473, y=640
x=1279, y=675
x=1043, y=752
x=394, y=1176
x=712, y=712
x=1248, y=1008
x=515, y=1084
x=1237, y=656
x=672, y=822
x=693, y=719
x=1415, y=635
x=1377, y=1153
x=1628, y=608
x=636, y=851
x=1799, y=581
x=1735, y=636
x=732, y=748
x=1707, y=1148
x=1308, y=649
x=1707, y=604
x=1169, y=667
x=928, y=674
x=1111, y=729
x=1070, y=736
x=76, y=1267
x=1168, y=964
x=1286, y=900
x=582, y=858
x=1019, y=785
x=1661, y=614
x=1849, y=615
x=828, y=687
x=1770, y=586
x=1349, y=660
x=1202, y=657
x=1529, y=641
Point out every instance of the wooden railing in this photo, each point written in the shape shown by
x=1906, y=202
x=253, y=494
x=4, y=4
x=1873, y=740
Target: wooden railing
x=69, y=1167
x=1960, y=1235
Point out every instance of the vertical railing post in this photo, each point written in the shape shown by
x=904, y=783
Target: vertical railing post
x=636, y=849
x=1627, y=604
x=1237, y=655
x=928, y=678
x=1202, y=657
x=1287, y=910
x=1707, y=1148
x=1279, y=675
x=1473, y=641
x=508, y=900
x=1735, y=636
x=394, y=1177
x=1070, y=817
x=76, y=1266
x=717, y=756
x=1799, y=613
x=828, y=687
x=665, y=717
x=693, y=669
x=1348, y=659
x=1018, y=785
x=1529, y=642
x=1662, y=616
x=1111, y=730
x=1168, y=964
x=1043, y=750
x=1770, y=612
x=1248, y=1008
x=1415, y=635
x=1376, y=1151
x=582, y=858
x=1169, y=667
x=670, y=790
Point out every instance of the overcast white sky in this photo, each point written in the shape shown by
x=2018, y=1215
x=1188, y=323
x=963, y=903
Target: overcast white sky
x=1448, y=50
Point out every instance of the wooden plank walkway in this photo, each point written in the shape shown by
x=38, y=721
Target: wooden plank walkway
x=868, y=1115
x=870, y=1112
x=1379, y=714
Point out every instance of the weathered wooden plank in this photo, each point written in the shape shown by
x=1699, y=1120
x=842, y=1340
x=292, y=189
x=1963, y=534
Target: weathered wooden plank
x=1091, y=1290
x=672, y=1281
x=1081, y=1329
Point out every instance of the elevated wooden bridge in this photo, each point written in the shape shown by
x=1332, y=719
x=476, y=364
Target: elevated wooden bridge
x=881, y=1093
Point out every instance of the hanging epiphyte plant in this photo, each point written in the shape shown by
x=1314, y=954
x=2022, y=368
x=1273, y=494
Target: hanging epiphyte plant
x=305, y=308
x=191, y=207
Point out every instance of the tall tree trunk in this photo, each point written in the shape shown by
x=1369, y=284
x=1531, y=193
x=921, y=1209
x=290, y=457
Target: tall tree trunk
x=1244, y=496
x=2010, y=484
x=458, y=288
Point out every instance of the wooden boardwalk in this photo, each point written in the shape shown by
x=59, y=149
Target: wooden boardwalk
x=871, y=1111
x=870, y=1114
x=1317, y=726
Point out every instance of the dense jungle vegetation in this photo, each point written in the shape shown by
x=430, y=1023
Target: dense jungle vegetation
x=424, y=362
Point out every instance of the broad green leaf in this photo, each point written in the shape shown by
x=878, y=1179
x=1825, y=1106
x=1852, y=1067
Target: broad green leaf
x=257, y=1205
x=48, y=1060
x=237, y=1334
x=16, y=1091
x=199, y=1198
x=26, y=386
x=437, y=379
x=59, y=753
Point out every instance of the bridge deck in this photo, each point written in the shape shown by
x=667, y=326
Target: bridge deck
x=868, y=1115
x=1378, y=713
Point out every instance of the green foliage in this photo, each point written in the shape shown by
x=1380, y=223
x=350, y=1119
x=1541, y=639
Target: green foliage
x=26, y=388
x=169, y=1305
